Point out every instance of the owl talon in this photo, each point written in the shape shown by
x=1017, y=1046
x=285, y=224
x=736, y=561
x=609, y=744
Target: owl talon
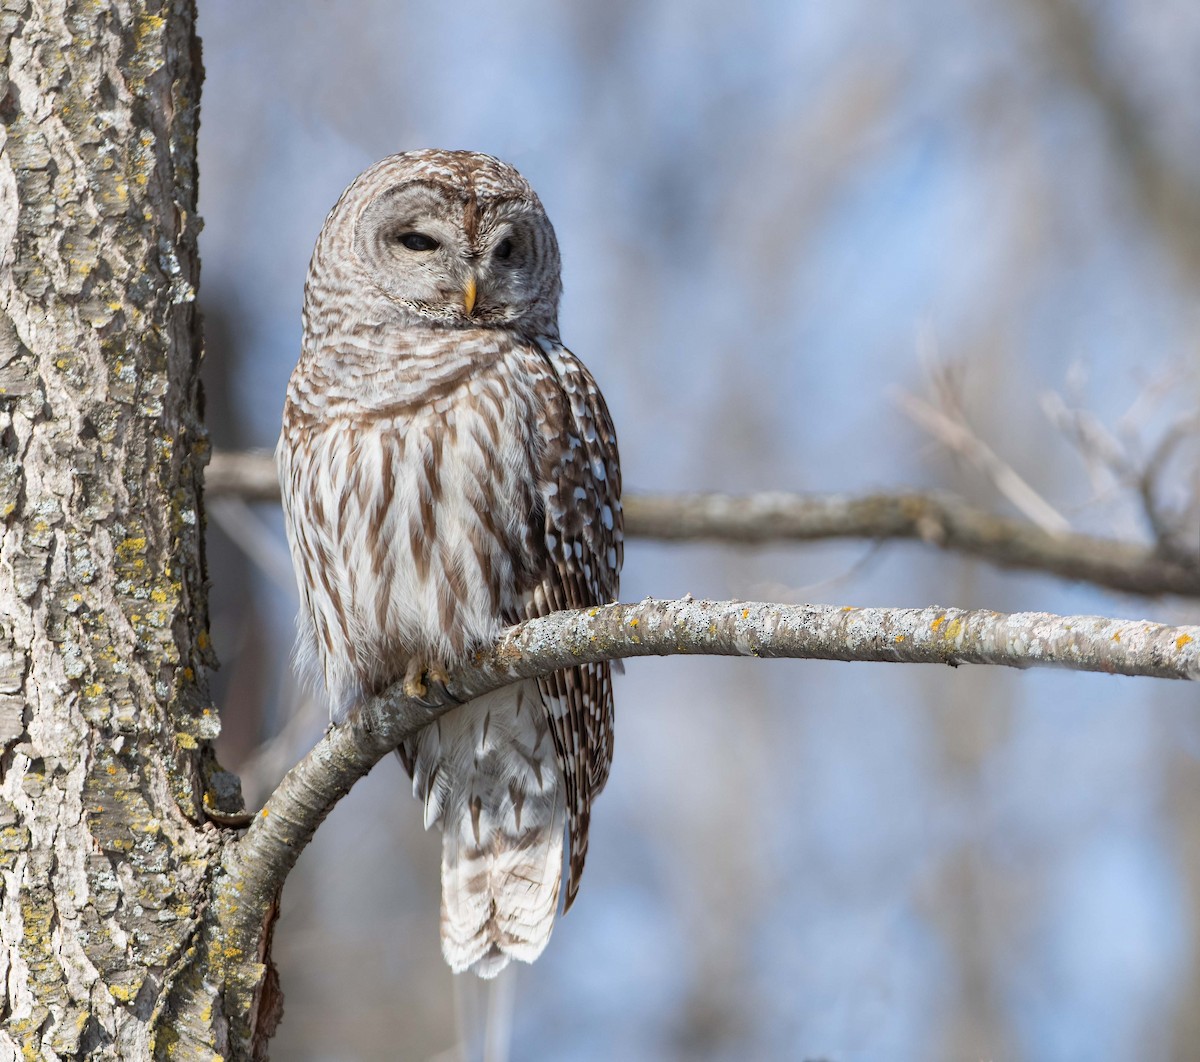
x=420, y=675
x=437, y=674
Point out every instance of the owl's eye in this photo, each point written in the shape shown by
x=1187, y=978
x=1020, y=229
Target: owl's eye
x=504, y=249
x=418, y=241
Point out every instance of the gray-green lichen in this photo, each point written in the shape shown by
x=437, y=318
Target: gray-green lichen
x=104, y=714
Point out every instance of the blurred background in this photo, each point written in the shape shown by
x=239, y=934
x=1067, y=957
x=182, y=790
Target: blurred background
x=799, y=238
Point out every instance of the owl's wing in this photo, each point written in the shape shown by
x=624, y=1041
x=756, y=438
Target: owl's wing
x=581, y=549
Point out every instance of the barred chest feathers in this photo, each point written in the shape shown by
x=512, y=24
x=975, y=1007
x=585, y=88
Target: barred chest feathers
x=411, y=511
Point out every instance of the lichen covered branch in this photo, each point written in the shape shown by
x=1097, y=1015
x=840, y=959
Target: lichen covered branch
x=256, y=866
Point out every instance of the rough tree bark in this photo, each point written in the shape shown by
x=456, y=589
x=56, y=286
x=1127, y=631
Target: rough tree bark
x=105, y=852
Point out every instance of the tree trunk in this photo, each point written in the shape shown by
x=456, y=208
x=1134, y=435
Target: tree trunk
x=105, y=851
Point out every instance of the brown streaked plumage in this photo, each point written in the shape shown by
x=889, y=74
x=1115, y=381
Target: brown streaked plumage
x=449, y=468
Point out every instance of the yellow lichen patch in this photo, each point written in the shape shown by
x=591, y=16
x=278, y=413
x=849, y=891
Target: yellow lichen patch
x=900, y=637
x=1181, y=641
x=185, y=740
x=131, y=547
x=94, y=690
x=159, y=597
x=1116, y=637
x=745, y=613
x=634, y=622
x=953, y=629
x=122, y=993
x=937, y=623
x=146, y=25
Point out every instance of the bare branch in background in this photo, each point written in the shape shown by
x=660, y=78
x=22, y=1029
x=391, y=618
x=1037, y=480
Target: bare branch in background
x=944, y=418
x=249, y=475
x=258, y=863
x=1175, y=532
x=949, y=426
x=1101, y=451
x=1106, y=458
x=757, y=519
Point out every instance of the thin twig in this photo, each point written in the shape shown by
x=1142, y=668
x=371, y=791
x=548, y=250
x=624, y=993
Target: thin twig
x=956, y=435
x=1167, y=527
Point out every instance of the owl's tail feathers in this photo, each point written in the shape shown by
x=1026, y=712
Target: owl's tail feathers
x=501, y=871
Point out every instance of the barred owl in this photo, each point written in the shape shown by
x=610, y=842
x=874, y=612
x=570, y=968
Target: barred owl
x=448, y=469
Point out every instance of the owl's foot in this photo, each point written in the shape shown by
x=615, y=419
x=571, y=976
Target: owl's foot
x=420, y=674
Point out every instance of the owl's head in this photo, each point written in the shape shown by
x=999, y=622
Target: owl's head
x=452, y=238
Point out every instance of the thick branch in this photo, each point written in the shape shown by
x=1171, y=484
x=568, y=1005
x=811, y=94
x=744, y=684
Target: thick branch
x=758, y=519
x=257, y=865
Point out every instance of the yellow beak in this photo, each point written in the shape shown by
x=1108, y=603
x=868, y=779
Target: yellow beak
x=469, y=296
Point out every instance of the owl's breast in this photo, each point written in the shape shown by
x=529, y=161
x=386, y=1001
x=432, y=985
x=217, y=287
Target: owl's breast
x=408, y=524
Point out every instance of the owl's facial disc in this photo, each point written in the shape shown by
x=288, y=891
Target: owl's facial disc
x=453, y=262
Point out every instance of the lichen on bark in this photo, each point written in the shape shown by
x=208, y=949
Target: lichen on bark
x=105, y=855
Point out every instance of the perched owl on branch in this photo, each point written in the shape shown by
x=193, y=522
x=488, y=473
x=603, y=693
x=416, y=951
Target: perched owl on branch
x=449, y=468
